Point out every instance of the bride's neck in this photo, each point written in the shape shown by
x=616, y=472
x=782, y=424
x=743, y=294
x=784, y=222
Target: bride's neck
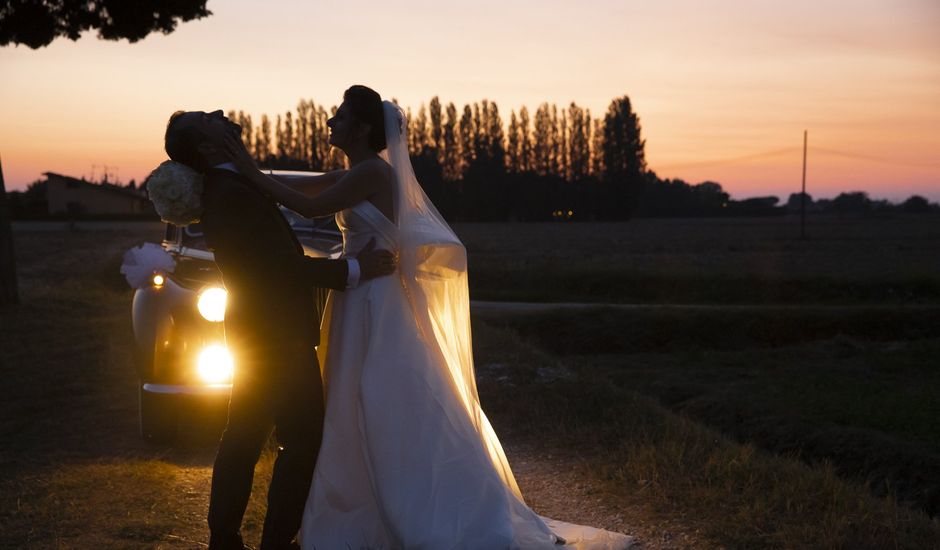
x=360, y=154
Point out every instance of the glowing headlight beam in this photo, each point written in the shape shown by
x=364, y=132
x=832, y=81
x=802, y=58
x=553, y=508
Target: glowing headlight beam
x=215, y=364
x=211, y=304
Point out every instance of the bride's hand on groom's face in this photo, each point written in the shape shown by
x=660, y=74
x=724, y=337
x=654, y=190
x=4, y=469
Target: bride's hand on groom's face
x=238, y=154
x=375, y=263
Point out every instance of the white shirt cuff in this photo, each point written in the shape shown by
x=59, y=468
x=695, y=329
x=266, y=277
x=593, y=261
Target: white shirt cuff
x=352, y=279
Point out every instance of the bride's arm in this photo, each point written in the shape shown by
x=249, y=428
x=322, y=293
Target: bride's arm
x=309, y=185
x=351, y=187
x=361, y=182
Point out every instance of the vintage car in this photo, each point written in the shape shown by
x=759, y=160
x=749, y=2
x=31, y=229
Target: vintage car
x=177, y=321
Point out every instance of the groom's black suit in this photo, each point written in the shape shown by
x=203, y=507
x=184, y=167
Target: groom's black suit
x=272, y=325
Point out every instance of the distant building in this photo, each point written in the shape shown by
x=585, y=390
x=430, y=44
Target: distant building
x=67, y=195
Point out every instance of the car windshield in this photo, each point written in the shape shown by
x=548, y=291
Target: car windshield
x=191, y=237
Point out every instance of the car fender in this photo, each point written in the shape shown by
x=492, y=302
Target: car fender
x=152, y=317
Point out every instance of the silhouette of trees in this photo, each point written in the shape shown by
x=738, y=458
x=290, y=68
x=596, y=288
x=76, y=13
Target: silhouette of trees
x=542, y=142
x=525, y=141
x=263, y=141
x=281, y=142
x=795, y=202
x=916, y=205
x=450, y=156
x=597, y=148
x=435, y=129
x=484, y=180
x=851, y=203
x=512, y=145
x=474, y=166
x=624, y=159
x=578, y=147
x=560, y=164
x=465, y=140
x=35, y=23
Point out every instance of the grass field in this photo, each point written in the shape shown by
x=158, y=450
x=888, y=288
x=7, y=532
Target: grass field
x=721, y=260
x=767, y=427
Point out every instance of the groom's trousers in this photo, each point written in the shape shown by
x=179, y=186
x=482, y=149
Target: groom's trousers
x=276, y=384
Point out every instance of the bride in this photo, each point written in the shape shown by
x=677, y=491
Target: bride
x=408, y=459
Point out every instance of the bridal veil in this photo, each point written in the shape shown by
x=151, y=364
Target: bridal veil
x=433, y=269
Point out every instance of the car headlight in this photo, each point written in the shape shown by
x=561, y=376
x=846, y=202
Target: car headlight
x=215, y=364
x=211, y=304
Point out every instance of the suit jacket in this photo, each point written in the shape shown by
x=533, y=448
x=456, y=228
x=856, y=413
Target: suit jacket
x=271, y=284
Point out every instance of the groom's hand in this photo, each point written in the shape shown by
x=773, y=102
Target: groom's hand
x=375, y=263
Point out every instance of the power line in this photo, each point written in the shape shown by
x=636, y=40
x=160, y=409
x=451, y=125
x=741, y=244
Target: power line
x=733, y=160
x=872, y=158
x=794, y=150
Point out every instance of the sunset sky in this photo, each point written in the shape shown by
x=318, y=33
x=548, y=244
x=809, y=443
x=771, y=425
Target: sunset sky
x=724, y=89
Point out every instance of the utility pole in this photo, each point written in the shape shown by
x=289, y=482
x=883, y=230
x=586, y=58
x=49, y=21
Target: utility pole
x=8, y=290
x=803, y=194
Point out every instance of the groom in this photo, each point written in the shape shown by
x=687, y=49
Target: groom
x=272, y=324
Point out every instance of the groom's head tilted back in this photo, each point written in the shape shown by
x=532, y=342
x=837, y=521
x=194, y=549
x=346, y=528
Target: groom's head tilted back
x=195, y=138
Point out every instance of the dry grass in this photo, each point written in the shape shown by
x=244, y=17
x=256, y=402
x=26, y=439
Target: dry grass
x=857, y=387
x=74, y=474
x=738, y=496
x=881, y=260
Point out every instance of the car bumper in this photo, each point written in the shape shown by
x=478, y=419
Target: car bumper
x=172, y=389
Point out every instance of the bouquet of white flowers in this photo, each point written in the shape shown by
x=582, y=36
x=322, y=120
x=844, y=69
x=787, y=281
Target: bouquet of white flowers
x=176, y=192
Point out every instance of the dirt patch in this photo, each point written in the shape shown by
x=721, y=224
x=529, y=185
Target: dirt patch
x=560, y=486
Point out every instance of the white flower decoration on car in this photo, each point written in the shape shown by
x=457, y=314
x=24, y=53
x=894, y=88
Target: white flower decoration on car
x=142, y=262
x=176, y=192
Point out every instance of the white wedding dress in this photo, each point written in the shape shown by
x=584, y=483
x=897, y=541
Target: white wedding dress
x=408, y=459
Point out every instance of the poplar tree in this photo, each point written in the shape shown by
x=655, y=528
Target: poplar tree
x=597, y=148
x=624, y=158
x=542, y=141
x=465, y=137
x=512, y=144
x=479, y=130
x=290, y=146
x=315, y=139
x=564, y=170
x=412, y=144
x=579, y=156
x=436, y=130
x=554, y=167
x=248, y=132
x=496, y=148
x=451, y=151
x=303, y=133
x=320, y=139
x=263, y=141
x=421, y=130
x=280, y=141
x=525, y=142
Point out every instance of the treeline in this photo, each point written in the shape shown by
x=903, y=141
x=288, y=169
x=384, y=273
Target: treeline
x=553, y=163
x=558, y=163
x=858, y=202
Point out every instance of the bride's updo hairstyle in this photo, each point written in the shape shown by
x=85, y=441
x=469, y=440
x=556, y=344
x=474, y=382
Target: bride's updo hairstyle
x=366, y=105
